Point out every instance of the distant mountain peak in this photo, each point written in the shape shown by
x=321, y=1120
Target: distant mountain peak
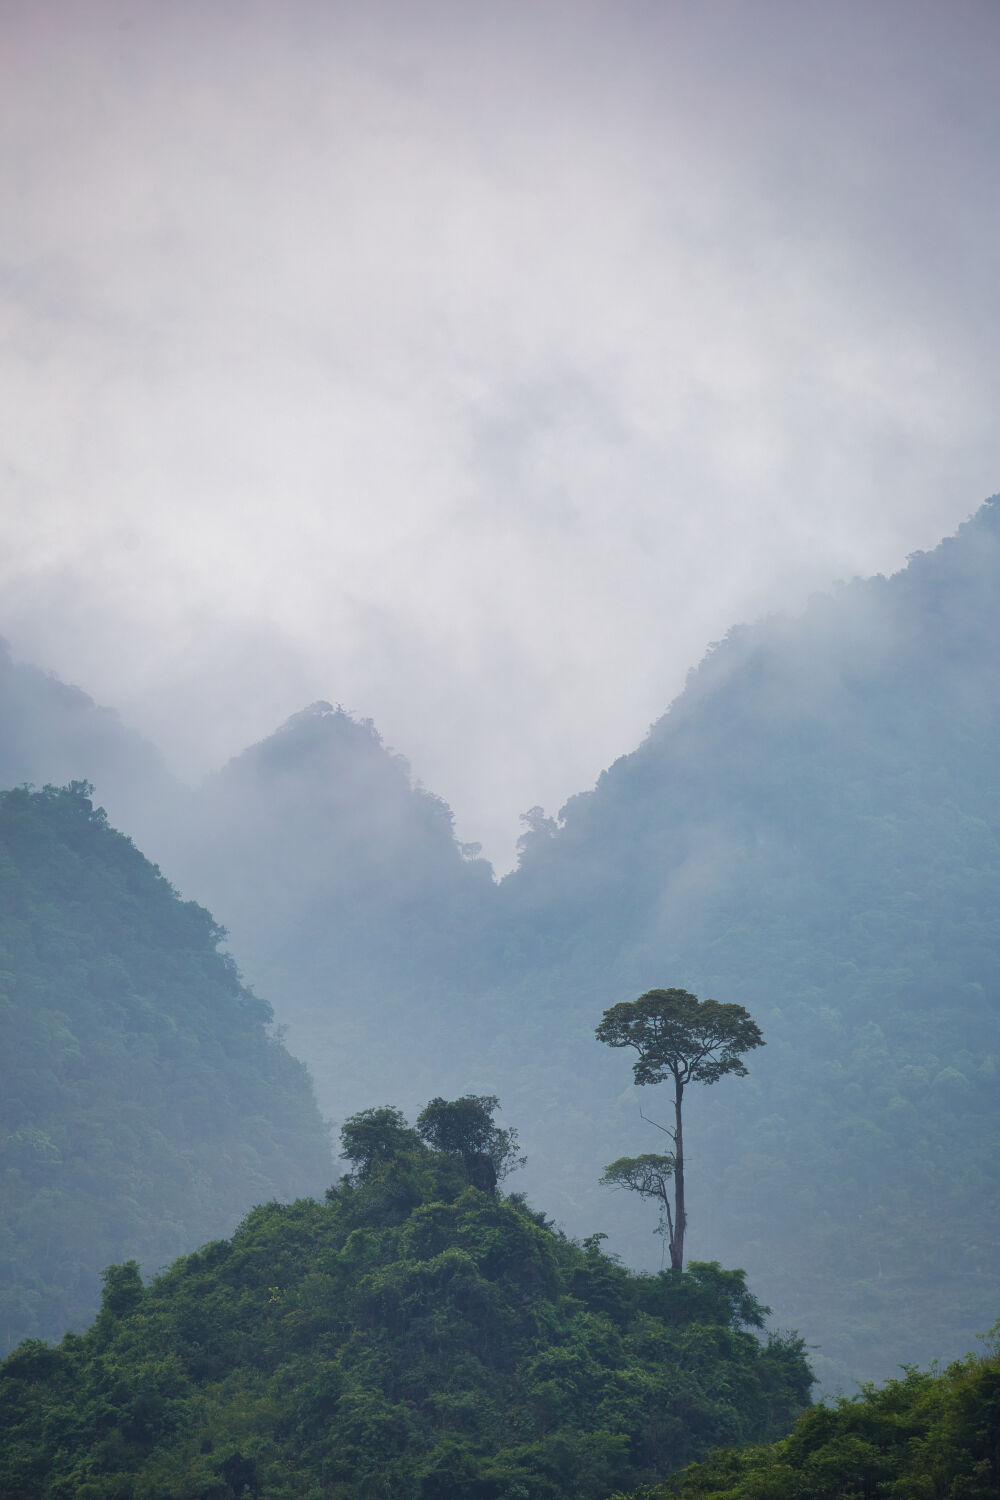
x=318, y=710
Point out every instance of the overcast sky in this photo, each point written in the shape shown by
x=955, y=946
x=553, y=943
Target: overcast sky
x=476, y=364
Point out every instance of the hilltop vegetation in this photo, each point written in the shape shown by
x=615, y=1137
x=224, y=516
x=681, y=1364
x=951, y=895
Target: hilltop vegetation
x=146, y=1103
x=926, y=1436
x=414, y=1336
x=812, y=832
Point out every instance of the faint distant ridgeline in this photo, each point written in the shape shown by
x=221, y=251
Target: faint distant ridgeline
x=344, y=889
x=52, y=733
x=811, y=831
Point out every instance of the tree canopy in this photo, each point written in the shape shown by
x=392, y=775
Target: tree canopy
x=412, y=1335
x=927, y=1434
x=679, y=1036
x=464, y=1127
x=373, y=1137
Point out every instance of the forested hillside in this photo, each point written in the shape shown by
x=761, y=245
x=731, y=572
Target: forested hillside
x=812, y=831
x=146, y=1103
x=929, y=1433
x=412, y=1336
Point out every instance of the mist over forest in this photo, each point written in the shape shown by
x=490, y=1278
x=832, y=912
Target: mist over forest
x=810, y=831
x=499, y=776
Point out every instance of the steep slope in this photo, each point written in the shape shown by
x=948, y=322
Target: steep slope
x=411, y=1336
x=145, y=1103
x=52, y=733
x=813, y=831
x=341, y=884
x=928, y=1433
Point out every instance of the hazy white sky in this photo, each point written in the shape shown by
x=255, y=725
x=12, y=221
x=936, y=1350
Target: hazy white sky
x=475, y=365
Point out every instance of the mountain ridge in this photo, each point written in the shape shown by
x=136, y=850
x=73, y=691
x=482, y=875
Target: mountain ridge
x=812, y=830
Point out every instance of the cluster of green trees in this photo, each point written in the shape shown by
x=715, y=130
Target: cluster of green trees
x=812, y=831
x=927, y=1436
x=147, y=1101
x=414, y=1335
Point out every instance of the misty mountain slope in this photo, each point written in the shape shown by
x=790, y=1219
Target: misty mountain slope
x=52, y=733
x=810, y=831
x=813, y=831
x=341, y=881
x=882, y=701
x=145, y=1102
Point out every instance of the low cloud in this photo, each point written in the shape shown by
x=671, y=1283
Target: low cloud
x=475, y=367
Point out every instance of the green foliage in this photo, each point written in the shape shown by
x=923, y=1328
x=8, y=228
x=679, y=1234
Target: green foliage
x=811, y=830
x=146, y=1102
x=373, y=1137
x=412, y=1335
x=681, y=1037
x=648, y=1175
x=926, y=1436
x=464, y=1128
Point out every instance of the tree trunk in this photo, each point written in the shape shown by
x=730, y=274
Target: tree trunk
x=680, y=1219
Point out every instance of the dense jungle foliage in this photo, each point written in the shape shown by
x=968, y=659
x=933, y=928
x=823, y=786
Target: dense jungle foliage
x=926, y=1436
x=412, y=1336
x=146, y=1102
x=812, y=831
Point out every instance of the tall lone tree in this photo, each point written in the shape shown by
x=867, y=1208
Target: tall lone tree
x=689, y=1040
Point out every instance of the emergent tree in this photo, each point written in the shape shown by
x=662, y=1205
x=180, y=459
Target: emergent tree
x=689, y=1040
